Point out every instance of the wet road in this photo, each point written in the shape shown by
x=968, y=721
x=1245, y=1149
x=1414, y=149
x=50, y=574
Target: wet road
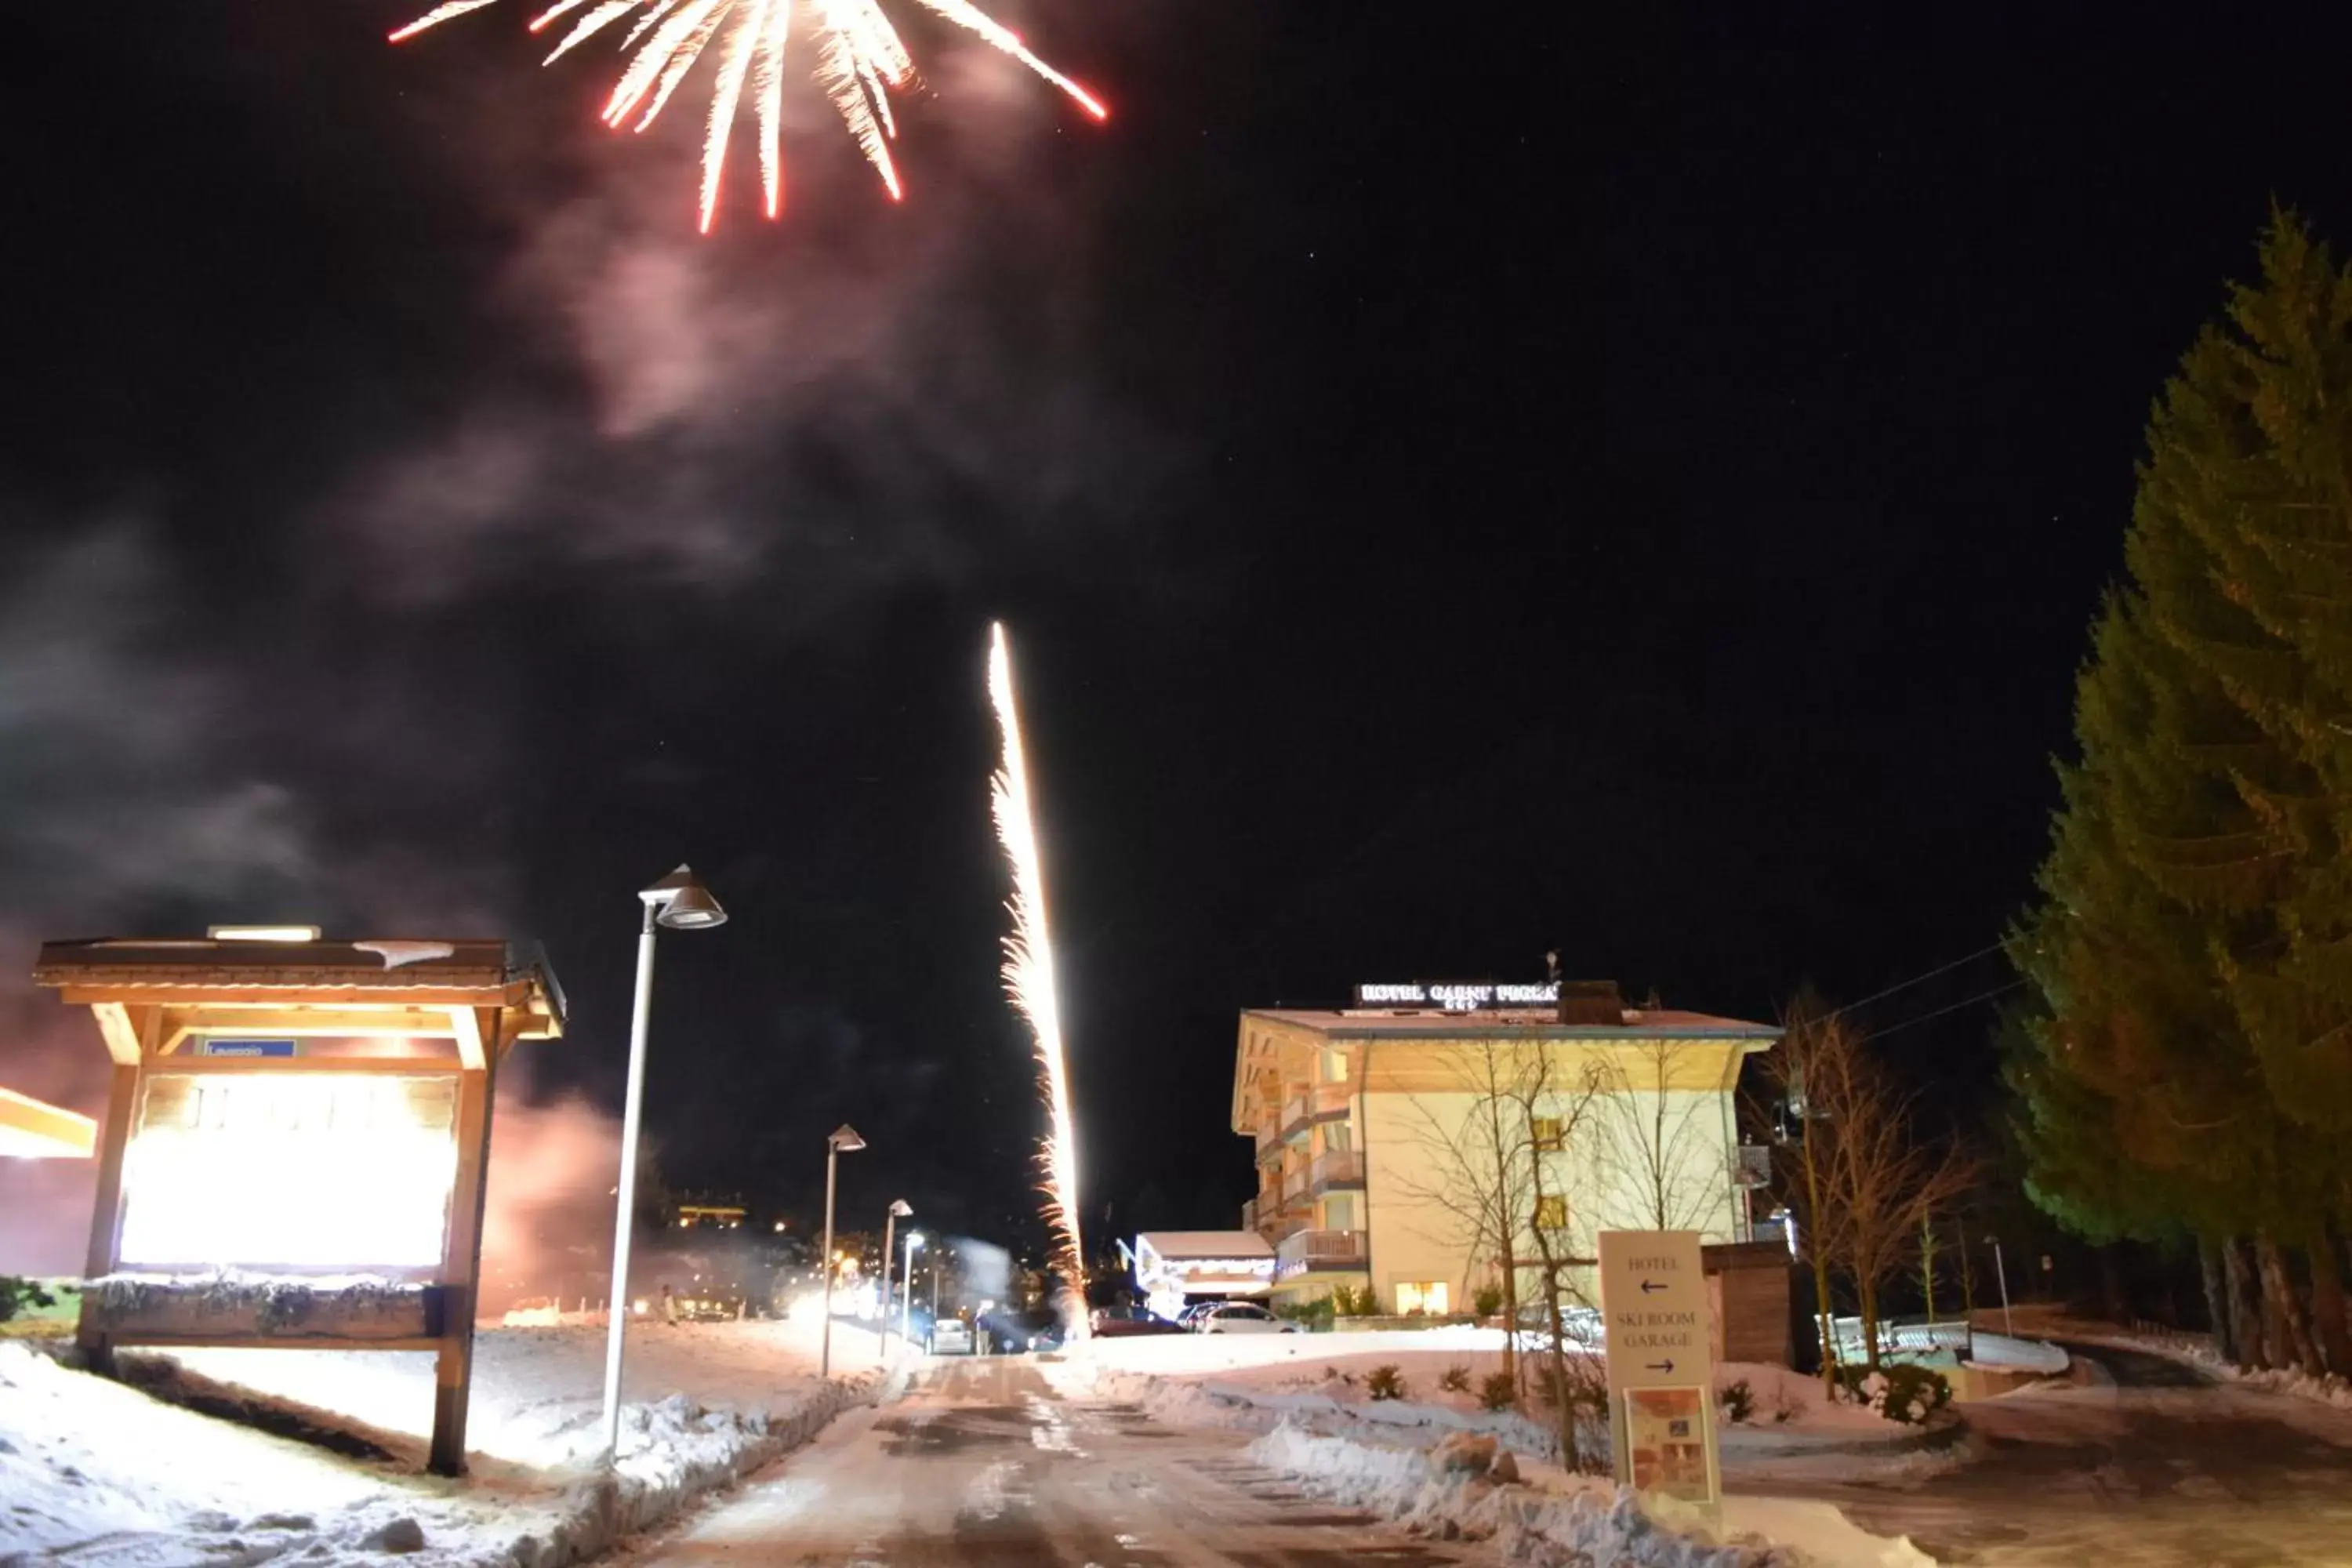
x=2161, y=1465
x=982, y=1463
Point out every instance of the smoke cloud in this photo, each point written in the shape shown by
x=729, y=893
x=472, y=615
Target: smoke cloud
x=319, y=724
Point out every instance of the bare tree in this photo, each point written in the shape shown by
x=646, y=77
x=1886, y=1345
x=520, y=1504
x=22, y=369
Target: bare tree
x=1506, y=1171
x=1867, y=1182
x=1479, y=1171
x=1662, y=1148
x=1555, y=1119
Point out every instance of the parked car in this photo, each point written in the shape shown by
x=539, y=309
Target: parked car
x=1016, y=1334
x=1124, y=1322
x=1190, y=1318
x=1242, y=1318
x=1583, y=1325
x=949, y=1336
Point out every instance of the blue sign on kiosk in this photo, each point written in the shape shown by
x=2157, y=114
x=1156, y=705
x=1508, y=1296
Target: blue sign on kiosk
x=219, y=1048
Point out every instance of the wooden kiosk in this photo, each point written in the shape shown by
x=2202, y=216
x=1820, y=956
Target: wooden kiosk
x=297, y=1140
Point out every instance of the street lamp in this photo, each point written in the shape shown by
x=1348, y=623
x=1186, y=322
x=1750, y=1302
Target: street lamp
x=2001, y=1274
x=843, y=1140
x=681, y=902
x=898, y=1211
x=907, y=1302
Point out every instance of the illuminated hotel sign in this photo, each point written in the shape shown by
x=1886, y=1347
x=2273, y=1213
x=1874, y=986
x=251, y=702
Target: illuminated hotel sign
x=1459, y=997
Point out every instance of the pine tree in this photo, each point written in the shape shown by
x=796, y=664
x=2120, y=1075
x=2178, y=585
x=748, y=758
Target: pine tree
x=2191, y=957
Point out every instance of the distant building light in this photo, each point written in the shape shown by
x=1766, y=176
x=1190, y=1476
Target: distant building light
x=263, y=933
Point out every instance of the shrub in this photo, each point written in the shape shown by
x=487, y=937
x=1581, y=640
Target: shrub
x=1355, y=1301
x=1487, y=1301
x=1739, y=1400
x=1456, y=1379
x=1498, y=1390
x=1912, y=1393
x=1786, y=1407
x=1315, y=1315
x=17, y=1294
x=1385, y=1382
x=1584, y=1388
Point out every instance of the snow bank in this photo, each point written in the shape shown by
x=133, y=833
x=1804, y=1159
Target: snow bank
x=1457, y=1495
x=2004, y=1352
x=1253, y=1381
x=538, y=1391
x=2197, y=1349
x=1462, y=1492
x=109, y=1477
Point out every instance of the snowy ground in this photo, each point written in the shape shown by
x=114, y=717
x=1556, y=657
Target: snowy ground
x=2195, y=1349
x=1327, y=1375
x=985, y=1463
x=101, y=1474
x=538, y=1391
x=2144, y=1463
x=982, y=1466
x=1307, y=1395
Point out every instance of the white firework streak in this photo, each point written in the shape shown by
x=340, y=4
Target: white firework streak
x=1029, y=981
x=859, y=61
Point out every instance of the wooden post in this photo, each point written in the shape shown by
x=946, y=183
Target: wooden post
x=106, y=1216
x=461, y=1253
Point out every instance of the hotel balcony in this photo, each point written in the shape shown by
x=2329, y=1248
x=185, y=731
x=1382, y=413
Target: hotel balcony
x=1336, y=1168
x=1325, y=1102
x=1320, y=1251
x=1754, y=1166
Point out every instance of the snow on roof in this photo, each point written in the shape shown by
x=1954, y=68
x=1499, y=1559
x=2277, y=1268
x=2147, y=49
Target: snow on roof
x=1430, y=1023
x=1213, y=1244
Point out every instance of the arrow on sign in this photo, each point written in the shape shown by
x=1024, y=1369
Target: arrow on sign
x=1666, y=1365
x=1650, y=1285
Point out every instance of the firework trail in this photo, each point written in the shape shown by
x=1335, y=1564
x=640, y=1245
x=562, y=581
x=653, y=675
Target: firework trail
x=860, y=59
x=1029, y=981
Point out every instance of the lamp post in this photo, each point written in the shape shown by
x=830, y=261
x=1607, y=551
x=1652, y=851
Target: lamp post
x=681, y=902
x=907, y=1302
x=2001, y=1273
x=843, y=1139
x=899, y=1210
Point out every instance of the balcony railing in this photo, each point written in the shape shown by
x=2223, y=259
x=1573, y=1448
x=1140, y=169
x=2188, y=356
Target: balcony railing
x=1754, y=1166
x=1336, y=1168
x=1293, y=1185
x=1310, y=1250
x=1324, y=1102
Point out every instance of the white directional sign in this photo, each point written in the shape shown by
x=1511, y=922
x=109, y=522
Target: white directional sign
x=1654, y=1298
x=1653, y=1295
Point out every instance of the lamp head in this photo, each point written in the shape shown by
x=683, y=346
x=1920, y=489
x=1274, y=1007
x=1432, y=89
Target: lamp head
x=845, y=1139
x=899, y=1208
x=681, y=902
x=914, y=1239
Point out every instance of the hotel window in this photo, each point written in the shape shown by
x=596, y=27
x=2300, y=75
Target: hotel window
x=1545, y=1132
x=1340, y=1212
x=1551, y=1212
x=1337, y=1138
x=1425, y=1296
x=1335, y=1066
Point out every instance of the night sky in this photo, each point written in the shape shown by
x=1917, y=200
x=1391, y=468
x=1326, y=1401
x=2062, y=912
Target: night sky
x=1455, y=494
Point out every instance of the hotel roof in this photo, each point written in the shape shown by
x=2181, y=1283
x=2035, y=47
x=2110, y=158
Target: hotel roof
x=1435, y=1024
x=1205, y=1245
